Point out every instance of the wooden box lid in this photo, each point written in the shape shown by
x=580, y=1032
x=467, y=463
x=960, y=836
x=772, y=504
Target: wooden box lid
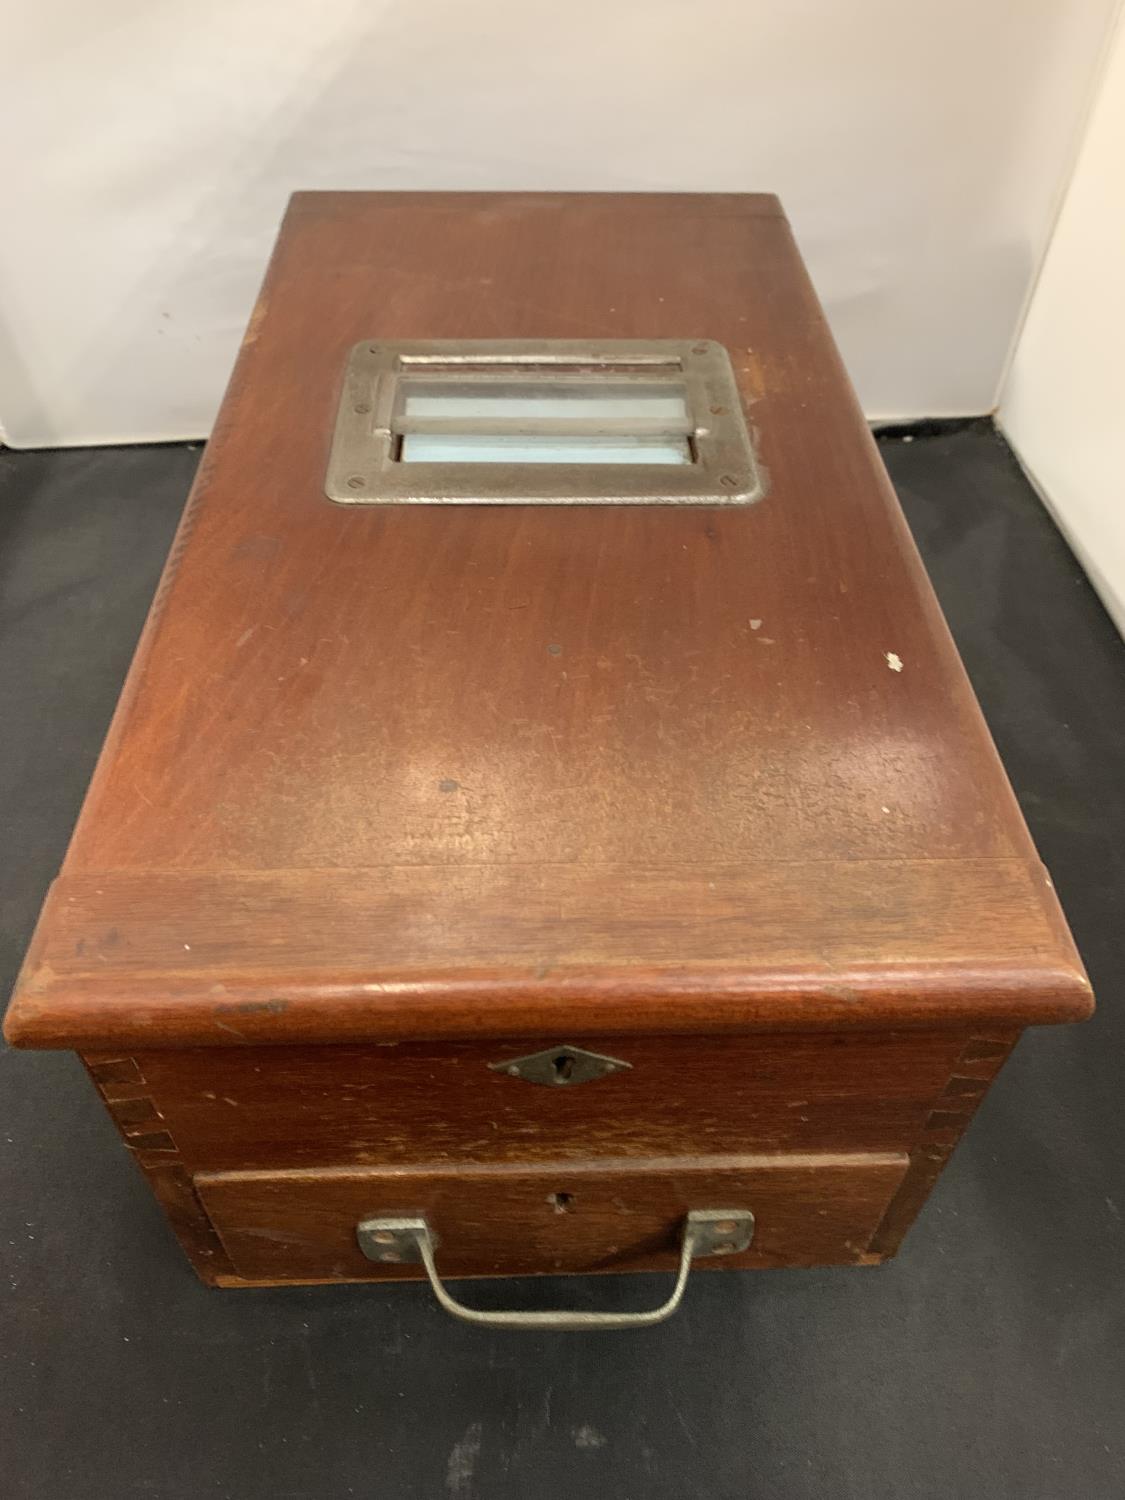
x=441, y=771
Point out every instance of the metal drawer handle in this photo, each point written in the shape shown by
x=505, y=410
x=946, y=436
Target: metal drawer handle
x=706, y=1231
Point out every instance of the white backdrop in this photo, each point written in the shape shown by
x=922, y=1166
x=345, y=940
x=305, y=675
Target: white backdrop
x=918, y=145
x=1063, y=407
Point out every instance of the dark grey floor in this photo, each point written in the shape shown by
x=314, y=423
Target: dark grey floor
x=987, y=1361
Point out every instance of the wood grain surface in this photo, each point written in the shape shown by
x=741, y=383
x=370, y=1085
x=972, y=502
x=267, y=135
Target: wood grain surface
x=255, y=1107
x=321, y=956
x=561, y=1217
x=611, y=759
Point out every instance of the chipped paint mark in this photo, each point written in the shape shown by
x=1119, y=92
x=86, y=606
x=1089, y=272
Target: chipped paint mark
x=244, y=637
x=234, y=1031
x=554, y=650
x=245, y=1008
x=755, y=624
x=257, y=318
x=842, y=992
x=40, y=980
x=463, y=1461
x=894, y=661
x=252, y=1007
x=588, y=1437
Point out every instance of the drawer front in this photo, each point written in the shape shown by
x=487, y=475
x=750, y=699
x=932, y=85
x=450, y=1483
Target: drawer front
x=264, y=1107
x=549, y=1217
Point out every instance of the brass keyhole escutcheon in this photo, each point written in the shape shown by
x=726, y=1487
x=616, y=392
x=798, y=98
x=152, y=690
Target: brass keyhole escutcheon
x=561, y=1066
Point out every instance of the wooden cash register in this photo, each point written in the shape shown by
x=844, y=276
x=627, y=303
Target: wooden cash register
x=546, y=826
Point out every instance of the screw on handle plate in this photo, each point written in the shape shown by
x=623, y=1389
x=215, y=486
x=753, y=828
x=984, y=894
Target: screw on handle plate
x=398, y=1238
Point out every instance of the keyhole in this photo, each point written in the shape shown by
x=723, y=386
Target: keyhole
x=563, y=1066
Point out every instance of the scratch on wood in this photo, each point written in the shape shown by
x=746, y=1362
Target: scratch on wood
x=251, y=1007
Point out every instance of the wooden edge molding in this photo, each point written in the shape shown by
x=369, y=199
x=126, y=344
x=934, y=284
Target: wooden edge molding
x=157, y=958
